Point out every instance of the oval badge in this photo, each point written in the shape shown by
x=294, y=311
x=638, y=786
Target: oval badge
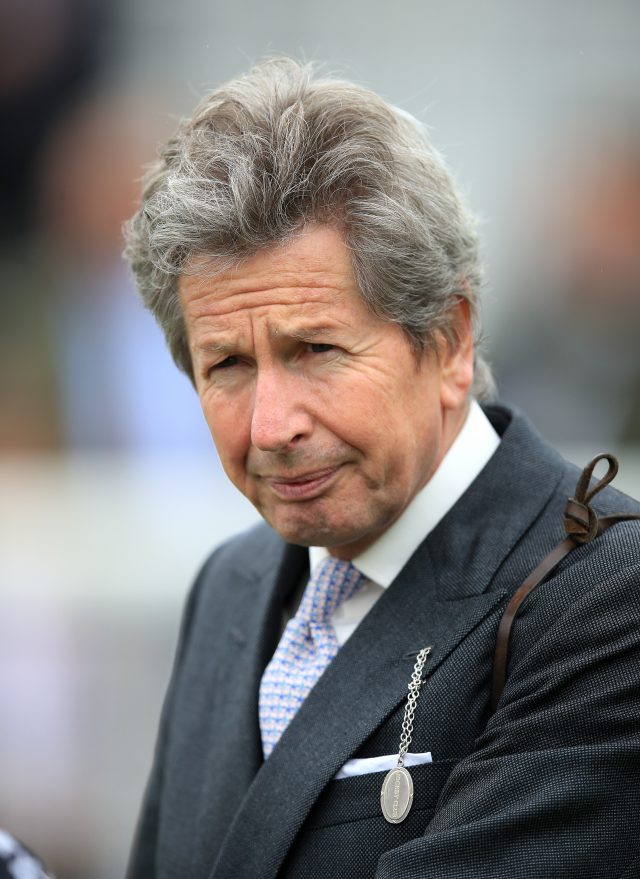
x=396, y=795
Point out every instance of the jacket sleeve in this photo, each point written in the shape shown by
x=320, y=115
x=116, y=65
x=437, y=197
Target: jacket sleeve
x=142, y=861
x=552, y=787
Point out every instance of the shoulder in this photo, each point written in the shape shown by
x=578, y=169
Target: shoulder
x=603, y=573
x=592, y=599
x=251, y=555
x=537, y=469
x=247, y=553
x=240, y=564
x=619, y=545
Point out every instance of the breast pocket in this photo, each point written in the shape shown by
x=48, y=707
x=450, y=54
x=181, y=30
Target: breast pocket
x=356, y=798
x=345, y=833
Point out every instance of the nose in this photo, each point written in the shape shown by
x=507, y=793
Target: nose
x=280, y=417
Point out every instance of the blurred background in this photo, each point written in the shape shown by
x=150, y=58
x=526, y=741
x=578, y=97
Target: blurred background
x=110, y=493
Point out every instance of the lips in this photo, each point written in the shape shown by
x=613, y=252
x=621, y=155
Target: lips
x=302, y=486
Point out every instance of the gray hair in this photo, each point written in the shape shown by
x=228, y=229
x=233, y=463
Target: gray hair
x=276, y=149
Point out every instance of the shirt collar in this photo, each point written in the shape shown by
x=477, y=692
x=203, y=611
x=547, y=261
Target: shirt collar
x=468, y=454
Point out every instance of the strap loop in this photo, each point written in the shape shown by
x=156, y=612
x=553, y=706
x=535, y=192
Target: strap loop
x=583, y=493
x=580, y=519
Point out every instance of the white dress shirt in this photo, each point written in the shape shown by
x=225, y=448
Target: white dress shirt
x=383, y=560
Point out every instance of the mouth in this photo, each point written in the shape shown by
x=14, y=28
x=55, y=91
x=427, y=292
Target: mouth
x=303, y=486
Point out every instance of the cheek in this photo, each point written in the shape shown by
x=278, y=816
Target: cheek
x=356, y=411
x=230, y=431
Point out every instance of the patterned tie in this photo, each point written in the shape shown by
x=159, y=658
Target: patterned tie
x=307, y=646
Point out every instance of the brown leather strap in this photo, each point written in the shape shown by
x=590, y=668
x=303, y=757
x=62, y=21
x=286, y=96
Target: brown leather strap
x=581, y=525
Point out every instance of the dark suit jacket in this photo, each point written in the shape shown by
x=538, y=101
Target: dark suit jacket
x=549, y=786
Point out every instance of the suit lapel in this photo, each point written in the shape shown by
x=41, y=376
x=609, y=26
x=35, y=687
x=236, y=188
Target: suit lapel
x=437, y=600
x=228, y=720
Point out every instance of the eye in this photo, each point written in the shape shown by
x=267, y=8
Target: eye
x=320, y=347
x=226, y=363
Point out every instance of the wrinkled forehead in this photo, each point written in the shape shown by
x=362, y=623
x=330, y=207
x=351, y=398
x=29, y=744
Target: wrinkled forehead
x=316, y=254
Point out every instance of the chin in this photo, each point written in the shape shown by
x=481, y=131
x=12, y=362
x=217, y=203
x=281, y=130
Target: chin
x=338, y=537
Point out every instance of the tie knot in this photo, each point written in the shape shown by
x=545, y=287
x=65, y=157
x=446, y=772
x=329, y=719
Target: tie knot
x=332, y=582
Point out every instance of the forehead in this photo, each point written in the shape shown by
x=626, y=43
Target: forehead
x=313, y=271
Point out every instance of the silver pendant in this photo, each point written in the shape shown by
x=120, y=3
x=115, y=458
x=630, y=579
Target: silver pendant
x=396, y=795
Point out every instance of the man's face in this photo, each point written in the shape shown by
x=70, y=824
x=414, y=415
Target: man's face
x=322, y=414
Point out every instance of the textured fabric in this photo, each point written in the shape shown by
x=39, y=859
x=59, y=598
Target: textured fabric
x=307, y=646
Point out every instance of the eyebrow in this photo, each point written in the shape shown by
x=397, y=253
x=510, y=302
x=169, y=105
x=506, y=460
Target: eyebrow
x=299, y=335
x=213, y=348
x=304, y=334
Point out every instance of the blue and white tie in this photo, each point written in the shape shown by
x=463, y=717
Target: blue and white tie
x=307, y=646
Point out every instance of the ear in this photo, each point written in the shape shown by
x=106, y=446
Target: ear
x=456, y=358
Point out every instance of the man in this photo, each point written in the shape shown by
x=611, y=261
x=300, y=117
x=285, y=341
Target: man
x=316, y=274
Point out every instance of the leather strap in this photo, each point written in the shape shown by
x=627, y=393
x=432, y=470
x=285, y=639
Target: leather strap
x=581, y=524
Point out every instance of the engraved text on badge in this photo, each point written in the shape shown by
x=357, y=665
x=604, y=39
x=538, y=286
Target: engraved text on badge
x=396, y=795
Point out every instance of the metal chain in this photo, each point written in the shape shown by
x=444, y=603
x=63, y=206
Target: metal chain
x=414, y=691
